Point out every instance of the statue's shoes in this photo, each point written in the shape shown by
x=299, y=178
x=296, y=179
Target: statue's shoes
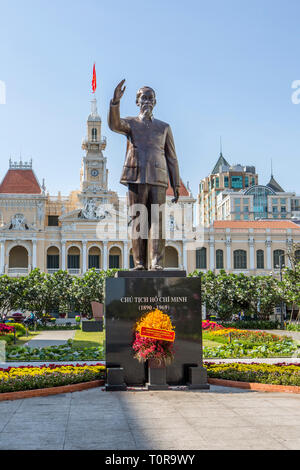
x=139, y=267
x=157, y=267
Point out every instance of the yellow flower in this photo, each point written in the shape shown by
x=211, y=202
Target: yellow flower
x=155, y=319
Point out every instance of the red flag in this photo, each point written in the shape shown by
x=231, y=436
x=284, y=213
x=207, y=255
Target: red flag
x=94, y=81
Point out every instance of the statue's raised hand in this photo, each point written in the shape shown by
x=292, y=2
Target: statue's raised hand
x=119, y=92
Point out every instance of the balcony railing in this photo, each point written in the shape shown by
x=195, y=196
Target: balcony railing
x=52, y=270
x=18, y=271
x=73, y=271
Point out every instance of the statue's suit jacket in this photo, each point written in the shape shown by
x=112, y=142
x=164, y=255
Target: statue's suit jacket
x=150, y=156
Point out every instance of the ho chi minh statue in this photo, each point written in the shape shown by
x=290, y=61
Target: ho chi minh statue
x=149, y=165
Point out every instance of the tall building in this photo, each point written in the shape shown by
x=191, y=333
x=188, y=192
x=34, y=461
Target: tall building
x=233, y=193
x=223, y=177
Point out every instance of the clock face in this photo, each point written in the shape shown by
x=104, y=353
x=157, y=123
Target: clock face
x=94, y=172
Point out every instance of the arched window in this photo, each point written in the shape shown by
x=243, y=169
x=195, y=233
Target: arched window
x=74, y=258
x=260, y=262
x=297, y=256
x=219, y=259
x=94, y=134
x=201, y=258
x=94, y=257
x=240, y=259
x=115, y=258
x=278, y=258
x=171, y=257
x=53, y=258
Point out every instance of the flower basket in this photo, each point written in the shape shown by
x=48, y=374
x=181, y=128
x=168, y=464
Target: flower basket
x=153, y=342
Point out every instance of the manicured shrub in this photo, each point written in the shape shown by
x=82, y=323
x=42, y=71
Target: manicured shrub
x=276, y=374
x=251, y=324
x=293, y=326
x=20, y=329
x=8, y=338
x=15, y=379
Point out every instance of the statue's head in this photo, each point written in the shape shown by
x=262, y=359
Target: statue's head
x=146, y=100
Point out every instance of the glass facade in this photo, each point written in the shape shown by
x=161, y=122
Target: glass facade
x=260, y=200
x=237, y=182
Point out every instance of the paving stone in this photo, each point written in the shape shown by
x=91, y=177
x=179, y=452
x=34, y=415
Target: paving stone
x=31, y=441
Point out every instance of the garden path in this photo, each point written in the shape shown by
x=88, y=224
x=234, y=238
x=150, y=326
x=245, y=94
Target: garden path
x=51, y=338
x=222, y=418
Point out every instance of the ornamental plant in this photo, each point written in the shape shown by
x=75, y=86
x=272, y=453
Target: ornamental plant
x=276, y=374
x=147, y=348
x=30, y=377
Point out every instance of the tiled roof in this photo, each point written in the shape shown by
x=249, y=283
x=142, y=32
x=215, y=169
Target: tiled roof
x=182, y=190
x=20, y=182
x=283, y=224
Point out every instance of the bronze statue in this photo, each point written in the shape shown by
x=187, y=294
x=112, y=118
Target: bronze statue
x=150, y=163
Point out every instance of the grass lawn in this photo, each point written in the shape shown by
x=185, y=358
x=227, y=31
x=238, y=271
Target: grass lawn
x=84, y=339
x=21, y=340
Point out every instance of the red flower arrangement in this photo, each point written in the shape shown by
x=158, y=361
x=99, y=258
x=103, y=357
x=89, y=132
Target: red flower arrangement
x=145, y=348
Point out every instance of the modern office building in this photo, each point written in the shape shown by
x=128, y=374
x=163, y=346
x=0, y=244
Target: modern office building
x=224, y=177
x=229, y=194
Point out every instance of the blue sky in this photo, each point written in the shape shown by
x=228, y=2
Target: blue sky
x=219, y=68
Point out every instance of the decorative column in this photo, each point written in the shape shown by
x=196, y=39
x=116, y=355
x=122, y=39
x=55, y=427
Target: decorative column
x=228, y=252
x=125, y=255
x=84, y=255
x=63, y=255
x=251, y=253
x=33, y=254
x=184, y=256
x=105, y=255
x=268, y=243
x=2, y=257
x=211, y=254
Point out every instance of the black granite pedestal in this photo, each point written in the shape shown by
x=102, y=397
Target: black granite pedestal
x=134, y=293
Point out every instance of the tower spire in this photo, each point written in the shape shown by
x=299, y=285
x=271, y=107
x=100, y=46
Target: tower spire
x=221, y=153
x=271, y=168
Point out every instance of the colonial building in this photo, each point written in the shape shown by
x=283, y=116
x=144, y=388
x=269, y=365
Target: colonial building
x=252, y=247
x=88, y=228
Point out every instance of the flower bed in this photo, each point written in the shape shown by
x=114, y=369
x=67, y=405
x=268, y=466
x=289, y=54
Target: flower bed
x=65, y=352
x=275, y=374
x=22, y=378
x=283, y=348
x=211, y=325
x=245, y=336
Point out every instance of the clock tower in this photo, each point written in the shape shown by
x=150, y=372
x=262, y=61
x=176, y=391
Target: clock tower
x=94, y=191
x=93, y=175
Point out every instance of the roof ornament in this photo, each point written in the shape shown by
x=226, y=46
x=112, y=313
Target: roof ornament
x=15, y=165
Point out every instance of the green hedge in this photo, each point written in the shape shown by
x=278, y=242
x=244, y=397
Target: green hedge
x=251, y=324
x=20, y=329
